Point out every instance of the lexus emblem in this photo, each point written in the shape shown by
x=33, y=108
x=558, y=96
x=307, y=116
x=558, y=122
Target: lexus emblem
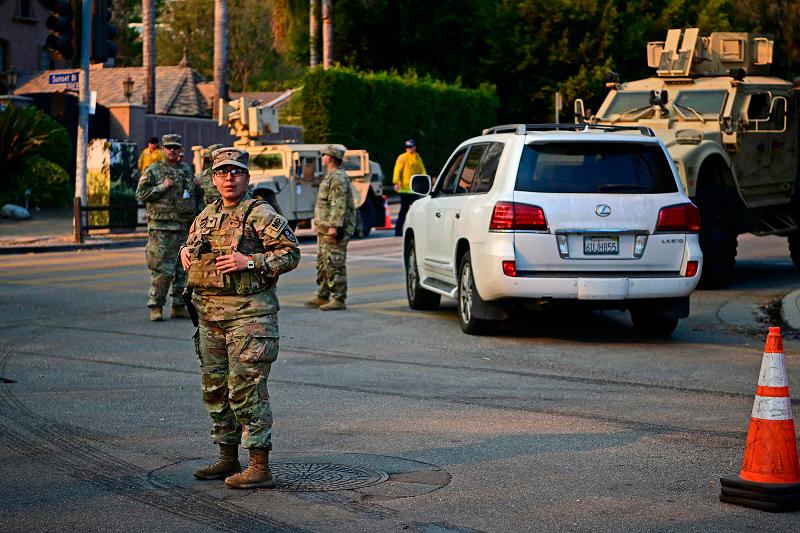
x=602, y=210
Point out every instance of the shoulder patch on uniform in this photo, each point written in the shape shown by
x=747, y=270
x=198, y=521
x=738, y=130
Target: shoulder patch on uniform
x=275, y=226
x=289, y=235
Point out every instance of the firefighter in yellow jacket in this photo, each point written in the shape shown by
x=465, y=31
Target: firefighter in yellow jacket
x=408, y=164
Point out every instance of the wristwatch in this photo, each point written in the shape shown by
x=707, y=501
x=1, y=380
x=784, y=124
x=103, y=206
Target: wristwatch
x=251, y=265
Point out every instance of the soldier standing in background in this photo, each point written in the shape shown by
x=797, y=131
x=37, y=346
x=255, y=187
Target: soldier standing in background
x=236, y=250
x=335, y=220
x=168, y=190
x=206, y=181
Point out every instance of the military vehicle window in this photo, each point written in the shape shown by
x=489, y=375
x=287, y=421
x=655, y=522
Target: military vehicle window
x=484, y=175
x=267, y=162
x=758, y=106
x=620, y=168
x=690, y=103
x=352, y=162
x=451, y=171
x=467, y=177
x=628, y=101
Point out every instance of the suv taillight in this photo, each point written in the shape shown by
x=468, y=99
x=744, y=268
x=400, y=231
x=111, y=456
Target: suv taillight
x=681, y=217
x=514, y=216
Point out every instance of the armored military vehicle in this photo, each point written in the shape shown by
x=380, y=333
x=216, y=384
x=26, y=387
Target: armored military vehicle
x=288, y=175
x=731, y=130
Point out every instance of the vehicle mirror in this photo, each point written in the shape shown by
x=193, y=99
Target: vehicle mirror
x=421, y=184
x=580, y=113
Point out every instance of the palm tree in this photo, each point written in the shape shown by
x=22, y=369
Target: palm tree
x=313, y=32
x=149, y=53
x=327, y=33
x=221, y=49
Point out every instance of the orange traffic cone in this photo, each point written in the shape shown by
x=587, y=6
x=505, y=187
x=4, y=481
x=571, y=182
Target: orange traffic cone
x=770, y=476
x=387, y=220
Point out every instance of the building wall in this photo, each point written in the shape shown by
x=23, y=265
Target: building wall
x=23, y=33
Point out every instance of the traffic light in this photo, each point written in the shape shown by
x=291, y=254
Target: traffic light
x=61, y=24
x=103, y=32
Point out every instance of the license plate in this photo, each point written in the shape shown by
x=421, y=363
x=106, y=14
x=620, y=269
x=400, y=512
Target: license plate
x=601, y=246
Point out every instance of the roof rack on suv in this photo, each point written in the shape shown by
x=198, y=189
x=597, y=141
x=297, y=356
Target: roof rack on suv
x=522, y=129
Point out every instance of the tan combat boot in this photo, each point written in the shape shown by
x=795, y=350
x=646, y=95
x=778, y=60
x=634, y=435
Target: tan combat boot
x=227, y=464
x=316, y=301
x=256, y=476
x=155, y=314
x=179, y=311
x=333, y=305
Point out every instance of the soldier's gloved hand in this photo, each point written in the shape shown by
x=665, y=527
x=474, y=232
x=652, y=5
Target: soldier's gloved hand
x=186, y=259
x=168, y=183
x=234, y=262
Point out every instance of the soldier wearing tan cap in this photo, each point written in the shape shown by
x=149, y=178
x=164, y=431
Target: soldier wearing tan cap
x=335, y=220
x=237, y=248
x=168, y=190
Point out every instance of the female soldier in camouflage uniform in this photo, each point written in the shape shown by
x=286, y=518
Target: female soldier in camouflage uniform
x=237, y=248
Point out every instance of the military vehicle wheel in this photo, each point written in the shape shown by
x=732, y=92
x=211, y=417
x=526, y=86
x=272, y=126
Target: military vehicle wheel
x=717, y=235
x=794, y=247
x=366, y=217
x=646, y=324
x=418, y=298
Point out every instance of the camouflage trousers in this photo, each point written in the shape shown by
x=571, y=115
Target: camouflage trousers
x=235, y=358
x=332, y=268
x=165, y=267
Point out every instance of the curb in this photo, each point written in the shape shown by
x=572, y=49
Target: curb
x=9, y=250
x=790, y=309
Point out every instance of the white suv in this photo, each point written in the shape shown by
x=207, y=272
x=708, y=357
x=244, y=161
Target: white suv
x=527, y=215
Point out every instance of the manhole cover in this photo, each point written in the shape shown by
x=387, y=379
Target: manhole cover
x=317, y=477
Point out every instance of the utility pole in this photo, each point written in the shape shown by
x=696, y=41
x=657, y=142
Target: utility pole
x=327, y=33
x=149, y=53
x=83, y=119
x=313, y=31
x=559, y=104
x=221, y=50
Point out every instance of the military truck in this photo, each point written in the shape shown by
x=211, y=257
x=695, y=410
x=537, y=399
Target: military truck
x=731, y=130
x=287, y=175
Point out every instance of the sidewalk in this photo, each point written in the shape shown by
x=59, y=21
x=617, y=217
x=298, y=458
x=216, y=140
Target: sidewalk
x=50, y=230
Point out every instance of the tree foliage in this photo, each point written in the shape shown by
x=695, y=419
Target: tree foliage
x=379, y=111
x=35, y=150
x=252, y=58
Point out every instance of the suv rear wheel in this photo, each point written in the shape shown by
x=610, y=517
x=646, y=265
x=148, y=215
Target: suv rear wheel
x=647, y=324
x=468, y=298
x=418, y=298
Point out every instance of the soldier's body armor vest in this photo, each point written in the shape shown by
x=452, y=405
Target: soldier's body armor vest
x=223, y=233
x=174, y=205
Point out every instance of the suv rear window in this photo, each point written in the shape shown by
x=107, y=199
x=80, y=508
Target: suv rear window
x=595, y=167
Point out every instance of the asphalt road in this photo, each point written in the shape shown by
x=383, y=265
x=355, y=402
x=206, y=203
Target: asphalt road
x=563, y=421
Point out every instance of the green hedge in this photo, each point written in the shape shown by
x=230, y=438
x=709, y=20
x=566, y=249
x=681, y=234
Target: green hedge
x=378, y=111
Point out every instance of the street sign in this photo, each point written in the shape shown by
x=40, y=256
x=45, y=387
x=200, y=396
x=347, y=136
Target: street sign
x=68, y=78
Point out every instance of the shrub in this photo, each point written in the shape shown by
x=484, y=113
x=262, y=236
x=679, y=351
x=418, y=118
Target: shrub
x=34, y=150
x=378, y=111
